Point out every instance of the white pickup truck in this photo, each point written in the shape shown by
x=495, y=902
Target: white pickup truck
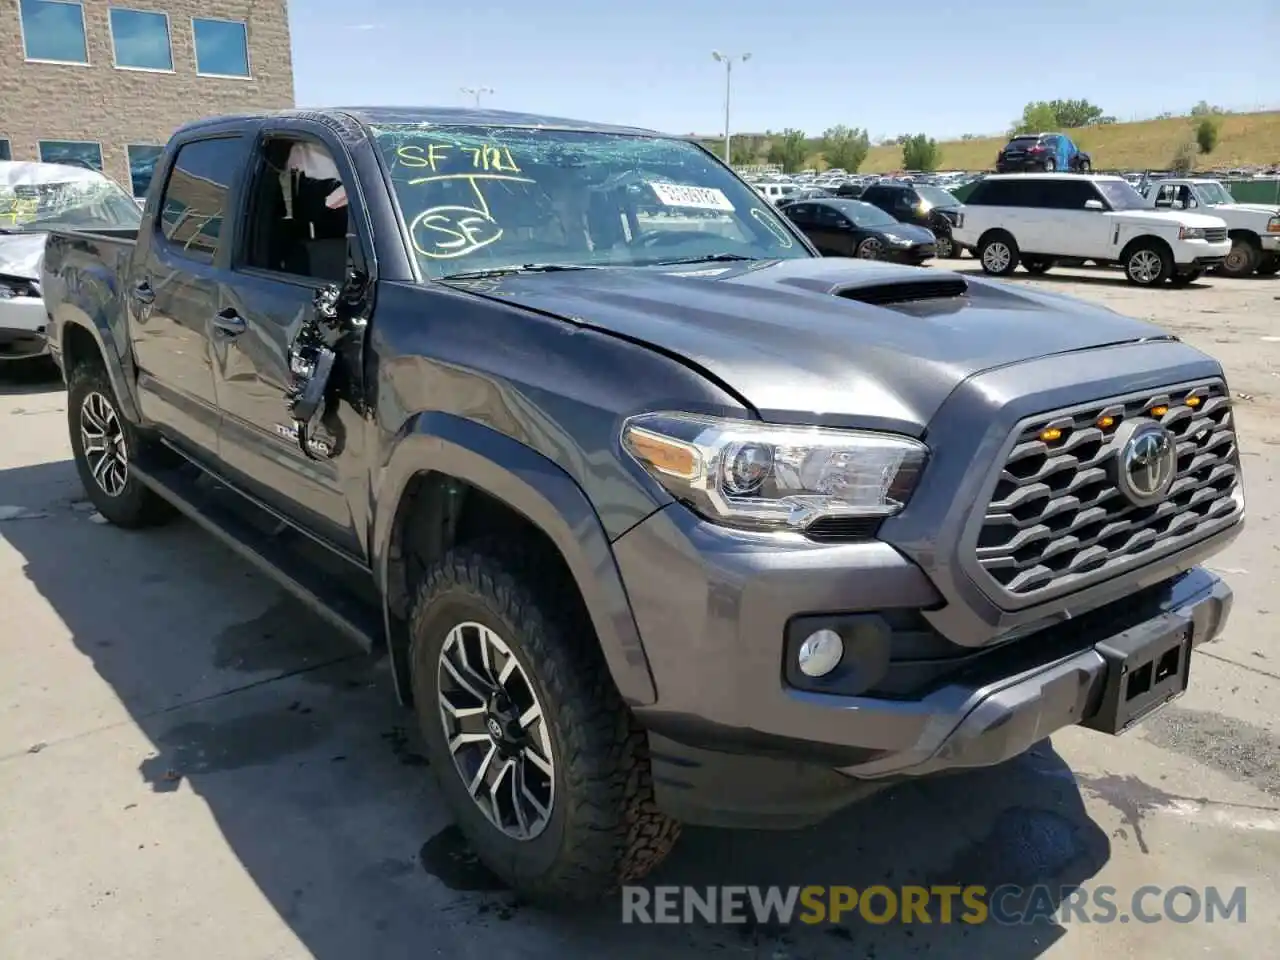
x=1254, y=228
x=1038, y=219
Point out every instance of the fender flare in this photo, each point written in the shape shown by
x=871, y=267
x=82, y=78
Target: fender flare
x=104, y=340
x=539, y=489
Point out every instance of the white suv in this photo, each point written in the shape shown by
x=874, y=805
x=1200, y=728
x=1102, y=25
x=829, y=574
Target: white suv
x=1038, y=218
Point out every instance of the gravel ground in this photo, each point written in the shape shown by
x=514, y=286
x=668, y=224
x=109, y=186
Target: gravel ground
x=191, y=765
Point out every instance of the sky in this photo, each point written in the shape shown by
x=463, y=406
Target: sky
x=945, y=69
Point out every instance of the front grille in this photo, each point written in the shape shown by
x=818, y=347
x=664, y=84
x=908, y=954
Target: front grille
x=1215, y=234
x=1057, y=519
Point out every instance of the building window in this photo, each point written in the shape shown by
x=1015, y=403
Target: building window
x=5, y=154
x=73, y=153
x=142, y=167
x=195, y=197
x=53, y=30
x=140, y=39
x=222, y=48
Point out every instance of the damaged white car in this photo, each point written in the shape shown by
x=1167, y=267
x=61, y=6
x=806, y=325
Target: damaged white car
x=35, y=197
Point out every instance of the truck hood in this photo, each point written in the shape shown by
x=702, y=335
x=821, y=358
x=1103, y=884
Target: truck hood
x=1167, y=218
x=824, y=340
x=1268, y=209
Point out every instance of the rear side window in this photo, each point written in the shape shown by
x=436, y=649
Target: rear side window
x=195, y=198
x=1068, y=194
x=998, y=193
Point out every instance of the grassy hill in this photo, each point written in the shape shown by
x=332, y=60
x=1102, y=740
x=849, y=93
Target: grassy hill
x=1244, y=139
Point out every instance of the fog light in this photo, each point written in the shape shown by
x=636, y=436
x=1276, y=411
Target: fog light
x=820, y=653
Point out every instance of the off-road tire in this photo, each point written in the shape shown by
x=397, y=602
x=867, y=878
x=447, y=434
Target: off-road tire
x=136, y=506
x=1244, y=257
x=605, y=828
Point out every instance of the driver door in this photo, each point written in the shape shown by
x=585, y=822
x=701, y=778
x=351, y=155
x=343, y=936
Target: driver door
x=292, y=243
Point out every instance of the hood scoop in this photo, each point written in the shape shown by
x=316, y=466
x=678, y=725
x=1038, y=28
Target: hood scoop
x=904, y=291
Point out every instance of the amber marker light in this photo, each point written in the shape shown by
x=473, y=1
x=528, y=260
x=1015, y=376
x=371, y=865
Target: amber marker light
x=1106, y=423
x=662, y=453
x=1193, y=401
x=1050, y=434
x=1159, y=411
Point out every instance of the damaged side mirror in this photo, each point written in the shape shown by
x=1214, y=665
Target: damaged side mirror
x=313, y=355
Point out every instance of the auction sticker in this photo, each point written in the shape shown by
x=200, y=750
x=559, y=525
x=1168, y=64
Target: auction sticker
x=700, y=198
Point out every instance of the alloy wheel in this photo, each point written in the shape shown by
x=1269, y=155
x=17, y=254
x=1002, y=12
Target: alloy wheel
x=496, y=731
x=870, y=249
x=944, y=248
x=997, y=256
x=102, y=439
x=1145, y=266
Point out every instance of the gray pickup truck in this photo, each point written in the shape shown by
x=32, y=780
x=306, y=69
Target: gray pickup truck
x=660, y=517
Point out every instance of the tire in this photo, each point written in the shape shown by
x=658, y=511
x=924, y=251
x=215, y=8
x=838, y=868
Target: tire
x=1050, y=165
x=998, y=254
x=1147, y=265
x=870, y=249
x=946, y=248
x=1243, y=258
x=94, y=420
x=1036, y=265
x=1269, y=265
x=601, y=826
x=1085, y=166
x=1184, y=279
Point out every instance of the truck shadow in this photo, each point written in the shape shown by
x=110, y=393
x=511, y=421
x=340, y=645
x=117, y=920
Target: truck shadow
x=313, y=776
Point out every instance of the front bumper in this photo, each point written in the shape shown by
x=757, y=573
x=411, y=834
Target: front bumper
x=1200, y=254
x=1270, y=242
x=733, y=743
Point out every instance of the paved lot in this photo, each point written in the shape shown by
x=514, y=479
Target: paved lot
x=191, y=766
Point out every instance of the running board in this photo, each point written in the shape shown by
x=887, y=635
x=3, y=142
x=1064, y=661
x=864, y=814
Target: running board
x=180, y=486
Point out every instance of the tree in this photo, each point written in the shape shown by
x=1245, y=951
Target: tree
x=743, y=151
x=788, y=150
x=845, y=147
x=1037, y=117
x=920, y=152
x=1206, y=109
x=1075, y=113
x=1184, y=158
x=1044, y=115
x=1207, y=134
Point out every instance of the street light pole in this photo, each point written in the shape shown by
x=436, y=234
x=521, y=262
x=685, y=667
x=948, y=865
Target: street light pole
x=477, y=92
x=728, y=60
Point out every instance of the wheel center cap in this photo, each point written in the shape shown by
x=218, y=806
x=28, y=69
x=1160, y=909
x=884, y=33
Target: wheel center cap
x=503, y=725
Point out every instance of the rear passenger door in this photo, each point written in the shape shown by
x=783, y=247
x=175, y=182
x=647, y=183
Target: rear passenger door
x=173, y=291
x=1081, y=232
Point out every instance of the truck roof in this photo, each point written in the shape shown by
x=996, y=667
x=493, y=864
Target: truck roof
x=435, y=116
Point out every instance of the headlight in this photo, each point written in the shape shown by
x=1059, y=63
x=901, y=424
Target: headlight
x=1273, y=225
x=900, y=241
x=743, y=473
x=1191, y=233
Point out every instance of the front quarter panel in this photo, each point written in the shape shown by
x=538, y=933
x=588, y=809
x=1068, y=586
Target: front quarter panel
x=529, y=409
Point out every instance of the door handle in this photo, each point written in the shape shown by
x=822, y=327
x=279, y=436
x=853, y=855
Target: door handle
x=229, y=323
x=143, y=293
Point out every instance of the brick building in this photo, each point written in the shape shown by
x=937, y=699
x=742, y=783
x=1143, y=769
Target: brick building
x=103, y=83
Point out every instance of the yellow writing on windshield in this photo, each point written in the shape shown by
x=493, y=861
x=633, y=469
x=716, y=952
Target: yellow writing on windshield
x=487, y=157
x=456, y=229
x=16, y=210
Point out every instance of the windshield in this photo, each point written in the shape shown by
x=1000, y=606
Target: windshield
x=1121, y=195
x=74, y=205
x=866, y=215
x=1213, y=194
x=937, y=197
x=478, y=198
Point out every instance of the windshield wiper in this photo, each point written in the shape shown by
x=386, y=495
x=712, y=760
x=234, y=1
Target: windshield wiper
x=518, y=268
x=707, y=258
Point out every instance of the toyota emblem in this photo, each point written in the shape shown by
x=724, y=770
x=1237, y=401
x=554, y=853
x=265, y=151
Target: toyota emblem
x=1146, y=464
x=495, y=727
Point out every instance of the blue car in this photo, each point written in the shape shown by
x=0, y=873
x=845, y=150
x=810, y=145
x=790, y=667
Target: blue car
x=1042, y=151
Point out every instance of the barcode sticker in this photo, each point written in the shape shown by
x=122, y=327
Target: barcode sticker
x=698, y=198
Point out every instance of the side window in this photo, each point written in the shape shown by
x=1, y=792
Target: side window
x=298, y=212
x=195, y=196
x=997, y=193
x=874, y=195
x=798, y=213
x=1066, y=194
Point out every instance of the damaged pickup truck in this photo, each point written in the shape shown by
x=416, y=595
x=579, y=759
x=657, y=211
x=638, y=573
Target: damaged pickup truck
x=659, y=516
